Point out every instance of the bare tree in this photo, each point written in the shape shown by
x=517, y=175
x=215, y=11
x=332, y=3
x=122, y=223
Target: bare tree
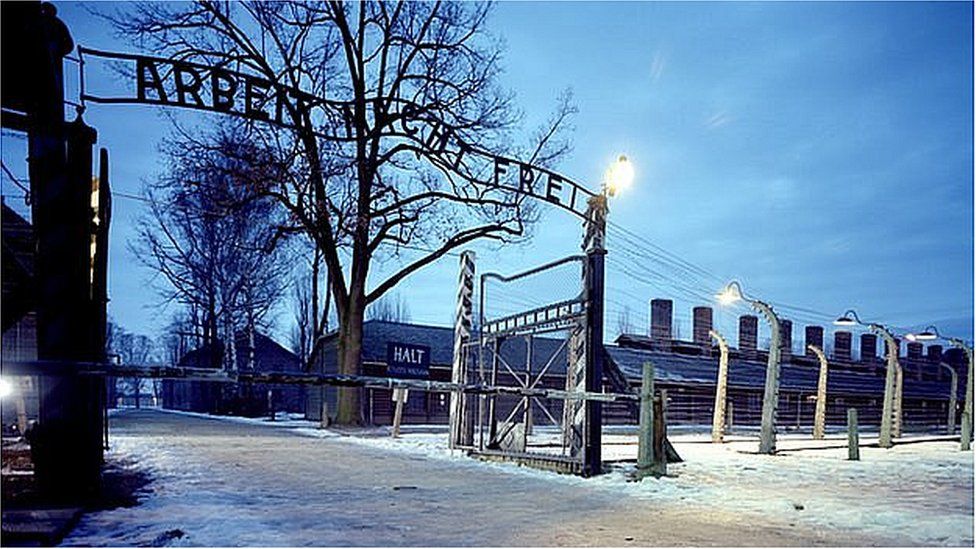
x=392, y=163
x=132, y=349
x=624, y=323
x=391, y=308
x=214, y=238
x=309, y=292
x=178, y=338
x=301, y=332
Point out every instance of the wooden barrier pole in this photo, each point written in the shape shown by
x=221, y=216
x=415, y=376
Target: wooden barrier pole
x=399, y=396
x=660, y=467
x=853, y=450
x=645, y=437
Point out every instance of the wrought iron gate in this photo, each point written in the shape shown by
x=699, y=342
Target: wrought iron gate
x=549, y=347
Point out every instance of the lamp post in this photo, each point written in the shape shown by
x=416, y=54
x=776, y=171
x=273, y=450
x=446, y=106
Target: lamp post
x=619, y=176
x=891, y=406
x=931, y=333
x=820, y=415
x=767, y=433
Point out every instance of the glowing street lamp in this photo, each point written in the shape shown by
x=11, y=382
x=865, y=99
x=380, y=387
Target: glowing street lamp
x=891, y=408
x=930, y=333
x=619, y=177
x=731, y=294
x=767, y=434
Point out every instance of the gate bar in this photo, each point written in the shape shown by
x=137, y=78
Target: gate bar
x=48, y=367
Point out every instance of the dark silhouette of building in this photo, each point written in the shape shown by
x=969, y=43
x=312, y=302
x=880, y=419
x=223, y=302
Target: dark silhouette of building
x=247, y=399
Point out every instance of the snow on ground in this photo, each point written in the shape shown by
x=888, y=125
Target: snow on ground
x=919, y=493
x=922, y=491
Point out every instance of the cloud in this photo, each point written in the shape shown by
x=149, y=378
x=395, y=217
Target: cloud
x=658, y=63
x=718, y=120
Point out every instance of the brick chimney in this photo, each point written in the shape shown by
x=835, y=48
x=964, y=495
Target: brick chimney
x=915, y=350
x=812, y=335
x=954, y=355
x=842, y=345
x=661, y=310
x=701, y=324
x=748, y=332
x=869, y=347
x=935, y=353
x=786, y=338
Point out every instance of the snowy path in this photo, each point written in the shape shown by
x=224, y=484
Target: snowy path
x=234, y=482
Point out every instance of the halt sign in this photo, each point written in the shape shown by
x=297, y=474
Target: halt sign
x=407, y=361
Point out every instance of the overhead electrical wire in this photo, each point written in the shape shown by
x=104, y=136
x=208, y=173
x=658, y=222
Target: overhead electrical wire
x=638, y=260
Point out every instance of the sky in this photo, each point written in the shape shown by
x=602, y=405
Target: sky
x=819, y=153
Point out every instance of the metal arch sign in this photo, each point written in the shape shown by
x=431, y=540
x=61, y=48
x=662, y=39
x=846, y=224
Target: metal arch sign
x=174, y=83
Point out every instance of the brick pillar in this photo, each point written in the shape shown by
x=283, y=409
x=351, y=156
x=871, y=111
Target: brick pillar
x=701, y=324
x=661, y=310
x=915, y=350
x=813, y=335
x=869, y=347
x=786, y=337
x=842, y=345
x=748, y=332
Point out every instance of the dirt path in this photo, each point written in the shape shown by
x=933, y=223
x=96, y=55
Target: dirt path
x=224, y=483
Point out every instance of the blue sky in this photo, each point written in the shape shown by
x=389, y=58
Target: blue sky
x=821, y=153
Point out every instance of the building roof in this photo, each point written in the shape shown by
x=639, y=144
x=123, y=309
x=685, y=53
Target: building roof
x=440, y=339
x=703, y=370
x=269, y=356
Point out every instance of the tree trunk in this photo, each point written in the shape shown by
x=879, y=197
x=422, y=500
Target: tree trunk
x=315, y=293
x=211, y=336
x=350, y=347
x=231, y=356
